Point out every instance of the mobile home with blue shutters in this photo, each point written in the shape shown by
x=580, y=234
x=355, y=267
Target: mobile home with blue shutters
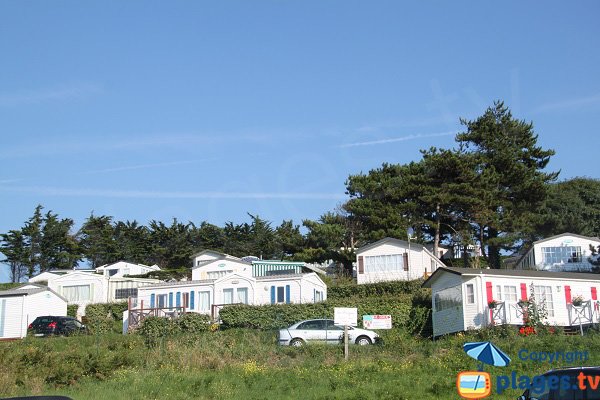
x=207, y=296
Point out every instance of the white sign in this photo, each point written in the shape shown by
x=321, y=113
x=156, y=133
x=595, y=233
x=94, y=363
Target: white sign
x=377, y=321
x=345, y=316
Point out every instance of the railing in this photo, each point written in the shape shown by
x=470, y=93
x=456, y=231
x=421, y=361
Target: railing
x=498, y=314
x=581, y=315
x=136, y=316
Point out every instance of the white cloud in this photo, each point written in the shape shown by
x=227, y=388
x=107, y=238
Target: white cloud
x=144, y=166
x=569, y=103
x=60, y=93
x=397, y=139
x=149, y=194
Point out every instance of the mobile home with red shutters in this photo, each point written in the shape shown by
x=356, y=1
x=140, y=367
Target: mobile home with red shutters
x=461, y=297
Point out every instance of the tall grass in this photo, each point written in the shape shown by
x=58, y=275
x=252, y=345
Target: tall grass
x=239, y=363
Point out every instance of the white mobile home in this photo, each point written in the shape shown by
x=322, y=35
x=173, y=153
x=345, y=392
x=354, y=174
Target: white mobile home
x=392, y=259
x=123, y=268
x=206, y=296
x=83, y=288
x=20, y=306
x=461, y=297
x=565, y=252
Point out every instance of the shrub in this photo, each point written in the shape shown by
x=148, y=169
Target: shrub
x=104, y=317
x=374, y=289
x=155, y=328
x=72, y=310
x=193, y=323
x=282, y=315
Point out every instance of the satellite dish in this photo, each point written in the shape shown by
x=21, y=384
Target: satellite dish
x=410, y=232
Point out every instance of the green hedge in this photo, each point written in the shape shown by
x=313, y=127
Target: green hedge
x=283, y=315
x=153, y=329
x=72, y=310
x=374, y=289
x=105, y=317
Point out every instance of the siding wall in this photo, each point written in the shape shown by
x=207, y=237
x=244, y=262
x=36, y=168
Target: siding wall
x=420, y=262
x=450, y=320
x=12, y=317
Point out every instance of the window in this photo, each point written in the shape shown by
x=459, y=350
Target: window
x=392, y=262
x=77, y=293
x=498, y=292
x=126, y=293
x=217, y=274
x=227, y=296
x=447, y=298
x=561, y=255
x=470, y=294
x=318, y=296
x=281, y=294
x=242, y=295
x=112, y=272
x=510, y=293
x=543, y=296
x=186, y=300
x=204, y=301
x=317, y=324
x=161, y=300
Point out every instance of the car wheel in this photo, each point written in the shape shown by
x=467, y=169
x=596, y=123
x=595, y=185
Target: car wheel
x=363, y=341
x=297, y=342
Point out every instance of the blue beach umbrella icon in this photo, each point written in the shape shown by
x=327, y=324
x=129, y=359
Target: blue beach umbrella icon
x=486, y=353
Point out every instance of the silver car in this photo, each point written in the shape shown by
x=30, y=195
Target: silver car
x=323, y=331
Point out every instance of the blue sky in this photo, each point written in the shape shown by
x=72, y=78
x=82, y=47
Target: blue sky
x=208, y=110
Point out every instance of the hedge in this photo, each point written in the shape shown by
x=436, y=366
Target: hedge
x=153, y=329
x=282, y=315
x=72, y=310
x=374, y=289
x=105, y=317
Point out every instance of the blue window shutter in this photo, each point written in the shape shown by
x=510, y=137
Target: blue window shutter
x=287, y=293
x=272, y=294
x=192, y=299
x=178, y=299
x=152, y=297
x=170, y=299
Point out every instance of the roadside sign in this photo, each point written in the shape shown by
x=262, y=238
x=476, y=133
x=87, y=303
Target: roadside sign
x=345, y=316
x=377, y=321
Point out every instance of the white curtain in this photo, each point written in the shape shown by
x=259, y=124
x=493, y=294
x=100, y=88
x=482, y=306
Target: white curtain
x=242, y=295
x=204, y=299
x=77, y=293
x=227, y=296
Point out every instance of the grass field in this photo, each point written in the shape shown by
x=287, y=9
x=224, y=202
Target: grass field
x=248, y=364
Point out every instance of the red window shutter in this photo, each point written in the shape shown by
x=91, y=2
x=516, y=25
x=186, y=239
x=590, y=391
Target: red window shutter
x=524, y=291
x=568, y=294
x=594, y=294
x=361, y=265
x=488, y=291
x=405, y=259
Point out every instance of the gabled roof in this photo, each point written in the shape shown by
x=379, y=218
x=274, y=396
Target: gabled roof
x=567, y=234
x=214, y=252
x=178, y=283
x=233, y=259
x=511, y=273
x=32, y=288
x=389, y=240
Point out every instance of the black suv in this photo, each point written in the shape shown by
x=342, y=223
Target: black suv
x=578, y=383
x=49, y=325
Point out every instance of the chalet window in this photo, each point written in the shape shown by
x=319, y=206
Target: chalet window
x=510, y=293
x=561, y=255
x=242, y=295
x=470, y=294
x=125, y=293
x=543, y=296
x=161, y=300
x=77, y=293
x=204, y=300
x=186, y=300
x=227, y=296
x=447, y=298
x=386, y=263
x=280, y=294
